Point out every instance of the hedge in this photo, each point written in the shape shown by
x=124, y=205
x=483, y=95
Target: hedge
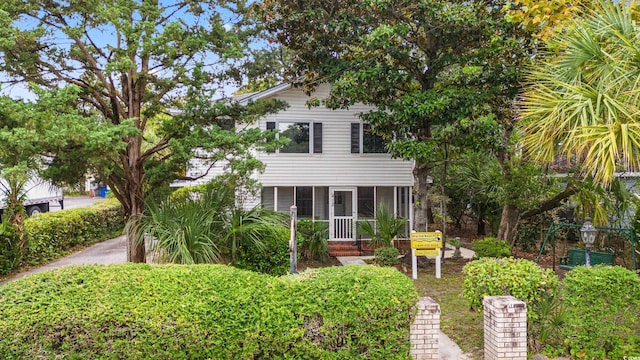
x=603, y=312
x=521, y=278
x=140, y=311
x=51, y=235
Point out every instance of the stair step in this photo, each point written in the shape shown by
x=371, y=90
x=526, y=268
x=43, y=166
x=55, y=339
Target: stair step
x=345, y=253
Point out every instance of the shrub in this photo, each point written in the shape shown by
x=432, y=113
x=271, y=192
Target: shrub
x=8, y=249
x=50, y=235
x=273, y=258
x=387, y=227
x=603, y=305
x=385, y=256
x=523, y=279
x=315, y=244
x=491, y=247
x=139, y=311
x=185, y=230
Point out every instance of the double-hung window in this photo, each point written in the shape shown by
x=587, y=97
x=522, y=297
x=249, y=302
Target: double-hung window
x=364, y=141
x=304, y=137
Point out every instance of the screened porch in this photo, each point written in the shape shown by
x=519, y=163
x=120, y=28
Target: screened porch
x=341, y=207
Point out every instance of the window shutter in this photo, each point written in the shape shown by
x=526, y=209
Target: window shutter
x=271, y=125
x=355, y=138
x=317, y=138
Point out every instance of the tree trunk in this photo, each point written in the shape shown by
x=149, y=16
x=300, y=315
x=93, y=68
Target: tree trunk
x=480, y=228
x=421, y=189
x=509, y=223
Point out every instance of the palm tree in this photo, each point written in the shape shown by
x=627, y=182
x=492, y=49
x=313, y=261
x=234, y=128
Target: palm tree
x=583, y=100
x=386, y=227
x=186, y=231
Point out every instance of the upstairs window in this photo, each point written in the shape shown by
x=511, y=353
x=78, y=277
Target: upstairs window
x=303, y=136
x=364, y=141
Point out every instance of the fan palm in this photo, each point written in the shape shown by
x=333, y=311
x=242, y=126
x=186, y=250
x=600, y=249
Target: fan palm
x=186, y=231
x=583, y=102
x=386, y=227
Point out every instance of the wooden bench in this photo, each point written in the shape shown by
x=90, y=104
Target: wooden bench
x=578, y=257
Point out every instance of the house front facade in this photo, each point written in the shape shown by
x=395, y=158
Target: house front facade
x=333, y=169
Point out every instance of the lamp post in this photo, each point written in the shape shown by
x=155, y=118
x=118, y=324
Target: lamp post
x=588, y=235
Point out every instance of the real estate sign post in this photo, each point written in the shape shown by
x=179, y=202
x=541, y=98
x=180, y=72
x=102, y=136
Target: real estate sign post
x=293, y=241
x=426, y=244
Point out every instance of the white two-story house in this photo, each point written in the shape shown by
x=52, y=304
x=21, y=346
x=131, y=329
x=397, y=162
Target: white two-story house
x=333, y=169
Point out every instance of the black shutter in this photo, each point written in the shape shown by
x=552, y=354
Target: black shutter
x=355, y=138
x=317, y=138
x=271, y=125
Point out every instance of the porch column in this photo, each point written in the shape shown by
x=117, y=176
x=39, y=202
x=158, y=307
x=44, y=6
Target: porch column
x=275, y=198
x=410, y=203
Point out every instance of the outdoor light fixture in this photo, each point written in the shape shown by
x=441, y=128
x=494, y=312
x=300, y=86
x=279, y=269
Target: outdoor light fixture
x=588, y=235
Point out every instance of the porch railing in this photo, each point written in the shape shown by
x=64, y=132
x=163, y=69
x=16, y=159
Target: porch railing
x=343, y=227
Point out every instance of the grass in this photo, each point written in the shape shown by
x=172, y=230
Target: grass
x=462, y=325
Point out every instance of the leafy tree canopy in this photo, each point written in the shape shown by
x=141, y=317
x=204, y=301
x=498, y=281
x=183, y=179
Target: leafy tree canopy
x=425, y=65
x=125, y=68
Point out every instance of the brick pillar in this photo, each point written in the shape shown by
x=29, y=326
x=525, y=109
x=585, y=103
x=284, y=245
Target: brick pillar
x=505, y=328
x=425, y=330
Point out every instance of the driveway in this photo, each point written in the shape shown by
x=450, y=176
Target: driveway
x=113, y=251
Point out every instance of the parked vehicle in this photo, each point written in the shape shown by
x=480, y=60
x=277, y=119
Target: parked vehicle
x=40, y=195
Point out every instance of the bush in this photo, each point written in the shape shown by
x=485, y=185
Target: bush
x=315, y=244
x=523, y=279
x=603, y=305
x=50, y=235
x=273, y=258
x=385, y=256
x=139, y=311
x=8, y=249
x=491, y=247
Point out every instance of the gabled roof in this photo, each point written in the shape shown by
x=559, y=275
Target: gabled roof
x=245, y=98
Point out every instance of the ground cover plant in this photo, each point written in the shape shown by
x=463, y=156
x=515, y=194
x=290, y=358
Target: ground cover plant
x=138, y=311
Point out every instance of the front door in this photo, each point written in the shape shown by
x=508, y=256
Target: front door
x=342, y=214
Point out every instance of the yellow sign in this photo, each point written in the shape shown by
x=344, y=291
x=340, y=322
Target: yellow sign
x=427, y=252
x=426, y=240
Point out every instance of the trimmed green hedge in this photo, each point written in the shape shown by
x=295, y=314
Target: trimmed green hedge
x=138, y=311
x=603, y=312
x=491, y=247
x=50, y=235
x=521, y=278
x=274, y=259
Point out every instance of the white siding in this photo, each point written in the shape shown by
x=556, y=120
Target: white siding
x=336, y=165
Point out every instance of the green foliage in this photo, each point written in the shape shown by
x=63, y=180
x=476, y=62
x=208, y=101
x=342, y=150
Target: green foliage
x=583, y=99
x=137, y=311
x=530, y=232
x=201, y=224
x=51, y=234
x=100, y=109
x=272, y=257
x=315, y=242
x=523, y=279
x=8, y=250
x=603, y=306
x=387, y=227
x=491, y=247
x=386, y=256
x=182, y=230
x=546, y=332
